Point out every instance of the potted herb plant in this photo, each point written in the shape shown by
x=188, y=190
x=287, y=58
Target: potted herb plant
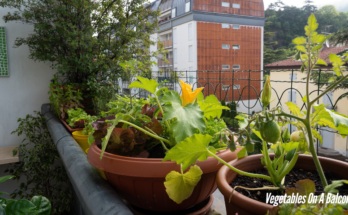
x=287, y=148
x=64, y=98
x=79, y=117
x=134, y=149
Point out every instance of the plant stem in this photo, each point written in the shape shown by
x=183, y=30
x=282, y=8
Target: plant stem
x=240, y=171
x=289, y=166
x=160, y=107
x=268, y=163
x=307, y=121
x=290, y=115
x=146, y=132
x=328, y=89
x=164, y=146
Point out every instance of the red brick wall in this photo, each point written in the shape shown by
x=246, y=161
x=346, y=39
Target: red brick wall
x=247, y=7
x=210, y=37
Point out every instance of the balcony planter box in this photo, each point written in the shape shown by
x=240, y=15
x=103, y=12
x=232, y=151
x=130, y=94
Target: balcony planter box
x=92, y=194
x=141, y=180
x=243, y=205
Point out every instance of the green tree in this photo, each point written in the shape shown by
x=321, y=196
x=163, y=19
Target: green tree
x=83, y=38
x=309, y=7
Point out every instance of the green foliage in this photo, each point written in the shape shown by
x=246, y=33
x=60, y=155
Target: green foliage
x=283, y=23
x=180, y=186
x=188, y=151
x=39, y=205
x=73, y=114
x=103, y=91
x=79, y=115
x=64, y=98
x=83, y=38
x=189, y=119
x=38, y=165
x=211, y=106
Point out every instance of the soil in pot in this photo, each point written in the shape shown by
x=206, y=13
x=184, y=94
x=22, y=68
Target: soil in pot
x=290, y=180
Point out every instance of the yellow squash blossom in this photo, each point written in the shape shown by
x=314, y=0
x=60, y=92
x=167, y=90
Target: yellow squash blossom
x=187, y=95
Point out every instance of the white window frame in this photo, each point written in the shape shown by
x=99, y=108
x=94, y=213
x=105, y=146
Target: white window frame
x=190, y=31
x=225, y=46
x=225, y=25
x=173, y=13
x=236, y=66
x=187, y=7
x=175, y=35
x=222, y=67
x=190, y=53
x=236, y=26
x=234, y=5
x=236, y=47
x=225, y=4
x=175, y=55
x=236, y=86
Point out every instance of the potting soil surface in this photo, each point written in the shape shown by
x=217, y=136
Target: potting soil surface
x=290, y=180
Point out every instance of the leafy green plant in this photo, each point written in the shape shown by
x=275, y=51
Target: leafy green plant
x=78, y=37
x=311, y=204
x=73, y=114
x=229, y=115
x=103, y=90
x=79, y=116
x=173, y=121
x=40, y=166
x=267, y=124
x=38, y=204
x=64, y=97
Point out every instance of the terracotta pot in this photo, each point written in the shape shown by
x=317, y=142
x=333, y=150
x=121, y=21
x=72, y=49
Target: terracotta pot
x=200, y=209
x=243, y=205
x=140, y=180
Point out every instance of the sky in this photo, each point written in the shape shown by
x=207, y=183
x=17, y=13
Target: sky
x=341, y=5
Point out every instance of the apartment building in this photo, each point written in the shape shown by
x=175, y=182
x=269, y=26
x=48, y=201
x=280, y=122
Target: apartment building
x=212, y=35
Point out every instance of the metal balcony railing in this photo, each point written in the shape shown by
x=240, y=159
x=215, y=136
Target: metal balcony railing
x=163, y=63
x=167, y=43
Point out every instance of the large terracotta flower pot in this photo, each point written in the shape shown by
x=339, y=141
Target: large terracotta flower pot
x=243, y=205
x=140, y=180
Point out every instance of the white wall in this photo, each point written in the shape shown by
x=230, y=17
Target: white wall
x=153, y=48
x=26, y=88
x=182, y=46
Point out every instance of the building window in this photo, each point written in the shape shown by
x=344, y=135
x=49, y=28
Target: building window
x=175, y=55
x=225, y=25
x=225, y=4
x=173, y=12
x=236, y=6
x=225, y=46
x=236, y=26
x=236, y=47
x=187, y=7
x=235, y=87
x=174, y=35
x=190, y=31
x=225, y=66
x=190, y=53
x=191, y=79
x=236, y=66
x=190, y=68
